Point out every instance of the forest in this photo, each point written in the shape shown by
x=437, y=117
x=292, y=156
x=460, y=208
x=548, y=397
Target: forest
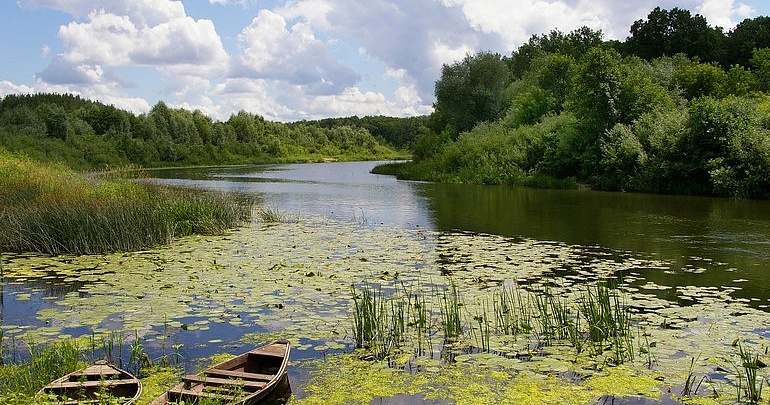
x=679, y=107
x=88, y=135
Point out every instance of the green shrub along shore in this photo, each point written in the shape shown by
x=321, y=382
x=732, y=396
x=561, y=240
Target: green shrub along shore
x=52, y=209
x=679, y=107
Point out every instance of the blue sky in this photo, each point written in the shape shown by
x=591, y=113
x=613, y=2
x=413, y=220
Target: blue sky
x=287, y=59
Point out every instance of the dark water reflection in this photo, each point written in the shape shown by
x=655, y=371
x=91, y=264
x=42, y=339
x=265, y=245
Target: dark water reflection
x=730, y=238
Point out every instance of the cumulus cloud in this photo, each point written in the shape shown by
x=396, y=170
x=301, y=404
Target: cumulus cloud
x=724, y=13
x=417, y=36
x=112, y=39
x=271, y=50
x=61, y=71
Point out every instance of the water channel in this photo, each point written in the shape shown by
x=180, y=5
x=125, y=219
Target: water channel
x=676, y=251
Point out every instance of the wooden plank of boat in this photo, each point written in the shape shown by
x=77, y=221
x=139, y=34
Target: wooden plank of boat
x=244, y=380
x=84, y=385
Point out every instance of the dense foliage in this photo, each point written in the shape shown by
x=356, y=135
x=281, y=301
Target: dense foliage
x=679, y=107
x=87, y=135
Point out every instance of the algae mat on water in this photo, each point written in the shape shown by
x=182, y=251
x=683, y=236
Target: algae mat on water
x=294, y=279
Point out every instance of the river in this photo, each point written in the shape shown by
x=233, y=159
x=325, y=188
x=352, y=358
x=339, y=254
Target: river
x=691, y=232
x=689, y=264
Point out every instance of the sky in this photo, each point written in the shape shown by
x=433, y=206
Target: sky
x=287, y=60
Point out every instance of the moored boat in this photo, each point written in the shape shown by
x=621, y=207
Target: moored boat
x=244, y=380
x=91, y=384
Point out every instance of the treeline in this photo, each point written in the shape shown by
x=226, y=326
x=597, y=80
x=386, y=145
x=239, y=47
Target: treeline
x=679, y=107
x=86, y=135
x=398, y=132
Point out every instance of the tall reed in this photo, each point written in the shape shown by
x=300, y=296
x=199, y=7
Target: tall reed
x=51, y=209
x=369, y=318
x=750, y=384
x=608, y=322
x=450, y=313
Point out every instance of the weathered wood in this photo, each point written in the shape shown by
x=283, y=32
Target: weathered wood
x=181, y=394
x=254, y=374
x=195, y=379
x=239, y=374
x=82, y=386
x=90, y=384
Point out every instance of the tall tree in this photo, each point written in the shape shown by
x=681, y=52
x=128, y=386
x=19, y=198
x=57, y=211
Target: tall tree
x=675, y=31
x=742, y=40
x=472, y=91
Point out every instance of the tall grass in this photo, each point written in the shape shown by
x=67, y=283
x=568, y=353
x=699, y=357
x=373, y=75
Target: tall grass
x=750, y=384
x=45, y=365
x=596, y=318
x=54, y=210
x=369, y=318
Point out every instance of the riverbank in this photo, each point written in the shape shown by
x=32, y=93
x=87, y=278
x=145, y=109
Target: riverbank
x=52, y=209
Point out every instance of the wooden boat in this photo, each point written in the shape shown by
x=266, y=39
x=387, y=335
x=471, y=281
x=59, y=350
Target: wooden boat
x=86, y=385
x=244, y=380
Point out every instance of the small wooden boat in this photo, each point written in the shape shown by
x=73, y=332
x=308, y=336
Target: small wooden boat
x=244, y=380
x=87, y=385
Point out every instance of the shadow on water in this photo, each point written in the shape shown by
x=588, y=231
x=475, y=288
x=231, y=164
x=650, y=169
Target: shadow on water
x=705, y=241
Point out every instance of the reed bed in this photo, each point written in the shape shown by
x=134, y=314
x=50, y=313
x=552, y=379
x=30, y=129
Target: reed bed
x=595, y=318
x=54, y=210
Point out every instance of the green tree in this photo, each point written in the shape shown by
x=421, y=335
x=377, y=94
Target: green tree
x=742, y=40
x=676, y=31
x=700, y=79
x=472, y=91
x=760, y=61
x=575, y=44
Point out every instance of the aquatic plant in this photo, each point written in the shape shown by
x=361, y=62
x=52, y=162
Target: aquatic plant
x=750, y=384
x=369, y=318
x=45, y=364
x=450, y=313
x=272, y=215
x=54, y=210
x=607, y=321
x=512, y=315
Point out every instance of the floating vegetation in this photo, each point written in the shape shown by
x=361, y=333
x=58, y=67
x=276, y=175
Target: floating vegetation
x=523, y=307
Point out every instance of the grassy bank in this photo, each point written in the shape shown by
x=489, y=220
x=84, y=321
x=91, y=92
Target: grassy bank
x=52, y=209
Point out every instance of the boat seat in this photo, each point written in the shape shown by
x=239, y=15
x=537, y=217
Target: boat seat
x=213, y=381
x=239, y=374
x=180, y=394
x=92, y=383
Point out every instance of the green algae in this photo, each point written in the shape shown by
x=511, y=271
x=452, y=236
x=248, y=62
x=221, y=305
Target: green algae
x=349, y=380
x=293, y=280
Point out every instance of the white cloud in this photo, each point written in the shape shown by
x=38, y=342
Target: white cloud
x=724, y=13
x=7, y=87
x=114, y=40
x=271, y=50
x=61, y=71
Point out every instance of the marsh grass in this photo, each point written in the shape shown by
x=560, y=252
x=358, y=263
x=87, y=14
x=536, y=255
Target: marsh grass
x=369, y=318
x=54, y=210
x=595, y=318
x=45, y=365
x=272, y=215
x=750, y=384
x=609, y=324
x=451, y=317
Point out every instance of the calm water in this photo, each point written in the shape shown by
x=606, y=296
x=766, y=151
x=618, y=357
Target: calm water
x=705, y=242
x=729, y=237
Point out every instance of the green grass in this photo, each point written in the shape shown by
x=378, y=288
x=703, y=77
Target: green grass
x=52, y=209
